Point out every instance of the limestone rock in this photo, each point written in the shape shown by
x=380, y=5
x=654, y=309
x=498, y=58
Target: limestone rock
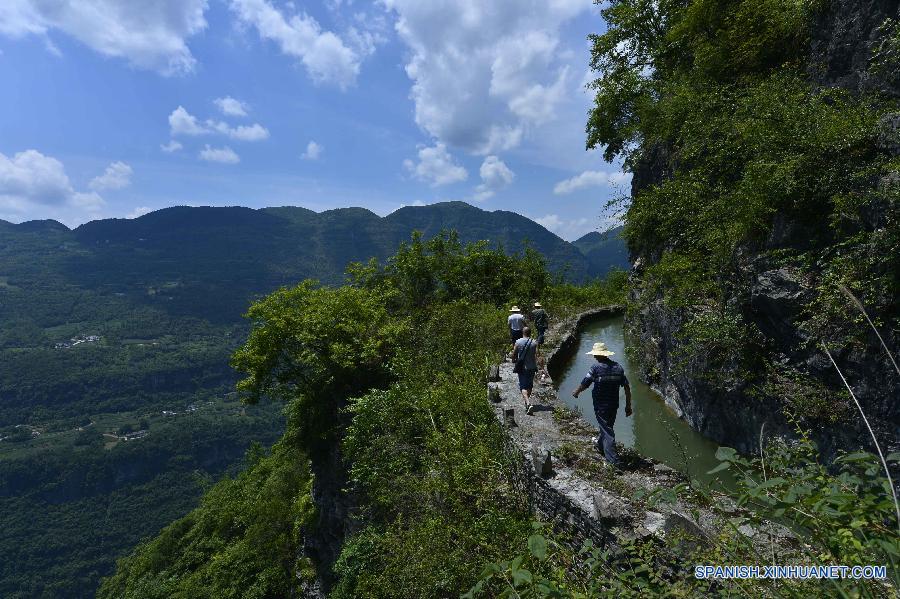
x=888, y=133
x=677, y=522
x=653, y=523
x=779, y=293
x=542, y=460
x=608, y=507
x=494, y=394
x=494, y=373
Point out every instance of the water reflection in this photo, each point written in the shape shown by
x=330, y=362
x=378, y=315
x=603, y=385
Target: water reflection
x=653, y=430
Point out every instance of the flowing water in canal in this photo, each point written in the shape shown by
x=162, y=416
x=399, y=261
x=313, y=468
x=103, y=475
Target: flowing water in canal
x=653, y=430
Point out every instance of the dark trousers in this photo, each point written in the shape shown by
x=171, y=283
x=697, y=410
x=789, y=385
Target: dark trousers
x=540, y=337
x=606, y=419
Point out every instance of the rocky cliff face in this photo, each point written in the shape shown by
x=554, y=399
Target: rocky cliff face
x=335, y=506
x=845, y=38
x=775, y=298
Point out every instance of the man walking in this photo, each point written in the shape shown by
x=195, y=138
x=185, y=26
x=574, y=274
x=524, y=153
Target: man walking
x=540, y=319
x=606, y=376
x=515, y=322
x=525, y=350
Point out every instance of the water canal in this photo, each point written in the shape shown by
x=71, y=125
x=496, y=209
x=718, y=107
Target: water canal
x=653, y=430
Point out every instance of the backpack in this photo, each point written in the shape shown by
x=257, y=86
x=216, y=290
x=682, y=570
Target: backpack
x=520, y=360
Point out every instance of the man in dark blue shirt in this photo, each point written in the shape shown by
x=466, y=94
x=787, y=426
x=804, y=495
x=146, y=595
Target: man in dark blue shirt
x=606, y=376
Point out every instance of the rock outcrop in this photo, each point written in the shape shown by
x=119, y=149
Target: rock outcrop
x=775, y=299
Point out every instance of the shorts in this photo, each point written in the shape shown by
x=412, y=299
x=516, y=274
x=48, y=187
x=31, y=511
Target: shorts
x=526, y=379
x=515, y=335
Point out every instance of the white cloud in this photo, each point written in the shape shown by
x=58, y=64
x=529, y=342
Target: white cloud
x=181, y=122
x=313, y=151
x=33, y=185
x=495, y=175
x=591, y=179
x=138, y=211
x=254, y=132
x=117, y=176
x=325, y=56
x=231, y=107
x=485, y=74
x=224, y=155
x=549, y=221
x=172, y=146
x=436, y=167
x=567, y=229
x=149, y=35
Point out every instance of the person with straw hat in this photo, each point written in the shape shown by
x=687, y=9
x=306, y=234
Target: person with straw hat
x=515, y=322
x=606, y=376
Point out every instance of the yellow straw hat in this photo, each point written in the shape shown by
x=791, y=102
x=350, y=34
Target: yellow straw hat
x=514, y=309
x=599, y=349
x=537, y=305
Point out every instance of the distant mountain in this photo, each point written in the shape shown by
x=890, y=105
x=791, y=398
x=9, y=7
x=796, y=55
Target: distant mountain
x=210, y=261
x=507, y=228
x=603, y=251
x=313, y=244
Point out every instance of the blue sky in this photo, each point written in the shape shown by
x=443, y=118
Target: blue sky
x=112, y=108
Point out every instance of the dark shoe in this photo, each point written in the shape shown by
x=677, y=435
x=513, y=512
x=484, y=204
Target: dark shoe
x=529, y=409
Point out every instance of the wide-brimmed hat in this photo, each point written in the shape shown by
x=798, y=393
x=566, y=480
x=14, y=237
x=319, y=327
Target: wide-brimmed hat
x=599, y=349
x=515, y=309
x=537, y=304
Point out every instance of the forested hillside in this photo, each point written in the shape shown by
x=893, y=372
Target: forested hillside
x=117, y=403
x=603, y=251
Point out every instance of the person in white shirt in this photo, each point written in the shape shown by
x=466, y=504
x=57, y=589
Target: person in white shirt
x=515, y=322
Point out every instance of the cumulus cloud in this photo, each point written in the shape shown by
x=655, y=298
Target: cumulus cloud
x=549, y=221
x=181, y=122
x=567, y=229
x=150, y=35
x=231, y=107
x=436, y=166
x=495, y=175
x=313, y=151
x=324, y=55
x=33, y=185
x=172, y=146
x=224, y=155
x=138, y=211
x=116, y=176
x=591, y=179
x=484, y=74
x=254, y=132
